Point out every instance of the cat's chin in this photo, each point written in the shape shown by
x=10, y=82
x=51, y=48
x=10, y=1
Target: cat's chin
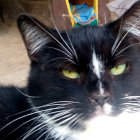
x=103, y=127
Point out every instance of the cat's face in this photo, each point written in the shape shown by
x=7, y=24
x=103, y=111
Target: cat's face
x=84, y=81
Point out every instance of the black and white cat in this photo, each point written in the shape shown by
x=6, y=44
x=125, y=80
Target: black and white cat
x=84, y=83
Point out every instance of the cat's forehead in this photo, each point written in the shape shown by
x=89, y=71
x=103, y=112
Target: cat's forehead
x=99, y=46
x=90, y=39
x=97, y=65
x=94, y=35
x=92, y=44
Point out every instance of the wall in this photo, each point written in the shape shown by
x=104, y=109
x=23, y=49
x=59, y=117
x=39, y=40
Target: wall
x=14, y=63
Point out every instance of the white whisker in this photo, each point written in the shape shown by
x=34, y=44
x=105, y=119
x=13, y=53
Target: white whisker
x=30, y=132
x=131, y=97
x=71, y=42
x=48, y=121
x=65, y=60
x=132, y=104
x=24, y=116
x=18, y=119
x=49, y=34
x=70, y=60
x=117, y=39
x=24, y=124
x=25, y=94
x=60, y=34
x=121, y=51
x=57, y=125
x=61, y=51
x=72, y=46
x=74, y=120
x=47, y=105
x=125, y=36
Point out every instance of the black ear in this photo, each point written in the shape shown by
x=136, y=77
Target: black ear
x=35, y=35
x=129, y=22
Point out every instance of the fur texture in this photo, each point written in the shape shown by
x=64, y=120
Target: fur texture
x=97, y=105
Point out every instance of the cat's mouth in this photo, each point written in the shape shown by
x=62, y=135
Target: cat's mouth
x=105, y=110
x=100, y=124
x=100, y=114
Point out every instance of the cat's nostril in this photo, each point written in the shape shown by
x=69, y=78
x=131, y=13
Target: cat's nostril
x=100, y=99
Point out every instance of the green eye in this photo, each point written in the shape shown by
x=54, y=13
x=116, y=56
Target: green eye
x=118, y=69
x=70, y=74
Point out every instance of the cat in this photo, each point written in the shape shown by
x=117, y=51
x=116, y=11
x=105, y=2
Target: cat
x=84, y=83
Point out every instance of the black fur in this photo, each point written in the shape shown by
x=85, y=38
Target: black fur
x=47, y=84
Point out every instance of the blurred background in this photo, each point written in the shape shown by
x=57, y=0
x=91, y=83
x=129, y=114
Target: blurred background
x=14, y=62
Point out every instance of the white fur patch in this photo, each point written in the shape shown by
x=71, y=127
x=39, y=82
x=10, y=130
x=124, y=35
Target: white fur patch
x=97, y=66
x=107, y=109
x=101, y=89
x=98, y=69
x=123, y=127
x=34, y=37
x=58, y=132
x=92, y=127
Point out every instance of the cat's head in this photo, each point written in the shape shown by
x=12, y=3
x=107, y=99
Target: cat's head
x=84, y=73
